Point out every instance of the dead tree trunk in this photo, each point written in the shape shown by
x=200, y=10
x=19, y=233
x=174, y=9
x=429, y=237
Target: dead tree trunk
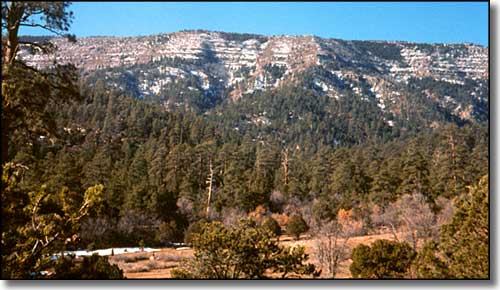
x=285, y=165
x=209, y=182
x=453, y=160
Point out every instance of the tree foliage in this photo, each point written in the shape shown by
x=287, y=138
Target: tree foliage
x=38, y=223
x=246, y=251
x=26, y=91
x=93, y=267
x=37, y=219
x=272, y=226
x=384, y=259
x=297, y=226
x=463, y=249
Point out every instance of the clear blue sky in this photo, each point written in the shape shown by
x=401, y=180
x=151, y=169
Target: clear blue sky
x=443, y=22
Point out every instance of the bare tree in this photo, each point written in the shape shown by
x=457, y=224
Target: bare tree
x=331, y=244
x=409, y=216
x=285, y=163
x=209, y=182
x=231, y=216
x=444, y=216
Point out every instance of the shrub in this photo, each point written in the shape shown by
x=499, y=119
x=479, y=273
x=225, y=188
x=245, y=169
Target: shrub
x=272, y=226
x=245, y=251
x=169, y=232
x=384, y=259
x=129, y=259
x=193, y=229
x=166, y=257
x=93, y=267
x=297, y=226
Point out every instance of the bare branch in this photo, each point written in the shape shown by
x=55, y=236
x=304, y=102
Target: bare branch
x=43, y=27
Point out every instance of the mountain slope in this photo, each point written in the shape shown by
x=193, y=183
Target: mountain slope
x=406, y=83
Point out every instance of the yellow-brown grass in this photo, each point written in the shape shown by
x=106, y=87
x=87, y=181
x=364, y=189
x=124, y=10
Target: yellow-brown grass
x=158, y=265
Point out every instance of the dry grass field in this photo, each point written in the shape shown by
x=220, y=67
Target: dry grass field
x=155, y=265
x=158, y=265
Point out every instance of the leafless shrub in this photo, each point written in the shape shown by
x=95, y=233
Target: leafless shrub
x=277, y=198
x=331, y=242
x=167, y=257
x=446, y=211
x=293, y=206
x=410, y=216
x=185, y=205
x=258, y=214
x=232, y=216
x=129, y=258
x=153, y=264
x=135, y=223
x=136, y=267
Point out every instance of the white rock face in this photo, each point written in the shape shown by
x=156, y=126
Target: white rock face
x=238, y=64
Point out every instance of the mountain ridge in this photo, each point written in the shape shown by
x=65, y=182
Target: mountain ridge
x=220, y=66
x=258, y=34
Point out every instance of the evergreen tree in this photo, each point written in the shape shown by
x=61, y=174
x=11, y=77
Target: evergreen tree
x=415, y=173
x=26, y=91
x=463, y=250
x=384, y=259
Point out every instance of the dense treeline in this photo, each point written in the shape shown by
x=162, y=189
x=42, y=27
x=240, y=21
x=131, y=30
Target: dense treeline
x=157, y=166
x=39, y=222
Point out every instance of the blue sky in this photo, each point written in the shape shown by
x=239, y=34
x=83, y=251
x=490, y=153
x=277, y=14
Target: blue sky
x=442, y=22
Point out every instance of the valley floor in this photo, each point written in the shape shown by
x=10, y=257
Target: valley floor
x=159, y=264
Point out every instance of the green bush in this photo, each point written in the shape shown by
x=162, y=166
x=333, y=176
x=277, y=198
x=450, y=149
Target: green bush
x=93, y=267
x=193, y=229
x=463, y=249
x=169, y=232
x=297, y=226
x=272, y=226
x=384, y=259
x=246, y=251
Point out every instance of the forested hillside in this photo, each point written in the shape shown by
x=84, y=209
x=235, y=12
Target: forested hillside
x=369, y=138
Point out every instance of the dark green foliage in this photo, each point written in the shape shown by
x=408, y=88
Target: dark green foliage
x=296, y=226
x=156, y=161
x=93, y=267
x=28, y=92
x=240, y=37
x=272, y=226
x=384, y=259
x=169, y=232
x=427, y=265
x=275, y=71
x=154, y=153
x=245, y=251
x=390, y=51
x=37, y=223
x=463, y=250
x=192, y=230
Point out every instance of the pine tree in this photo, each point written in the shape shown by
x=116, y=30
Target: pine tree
x=36, y=224
x=415, y=173
x=27, y=92
x=463, y=249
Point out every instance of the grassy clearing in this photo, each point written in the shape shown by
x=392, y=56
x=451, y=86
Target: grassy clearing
x=159, y=264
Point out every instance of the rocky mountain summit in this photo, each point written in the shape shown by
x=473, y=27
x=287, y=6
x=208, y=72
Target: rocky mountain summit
x=220, y=66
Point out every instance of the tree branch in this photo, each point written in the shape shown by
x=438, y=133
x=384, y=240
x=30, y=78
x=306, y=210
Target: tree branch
x=43, y=27
x=33, y=11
